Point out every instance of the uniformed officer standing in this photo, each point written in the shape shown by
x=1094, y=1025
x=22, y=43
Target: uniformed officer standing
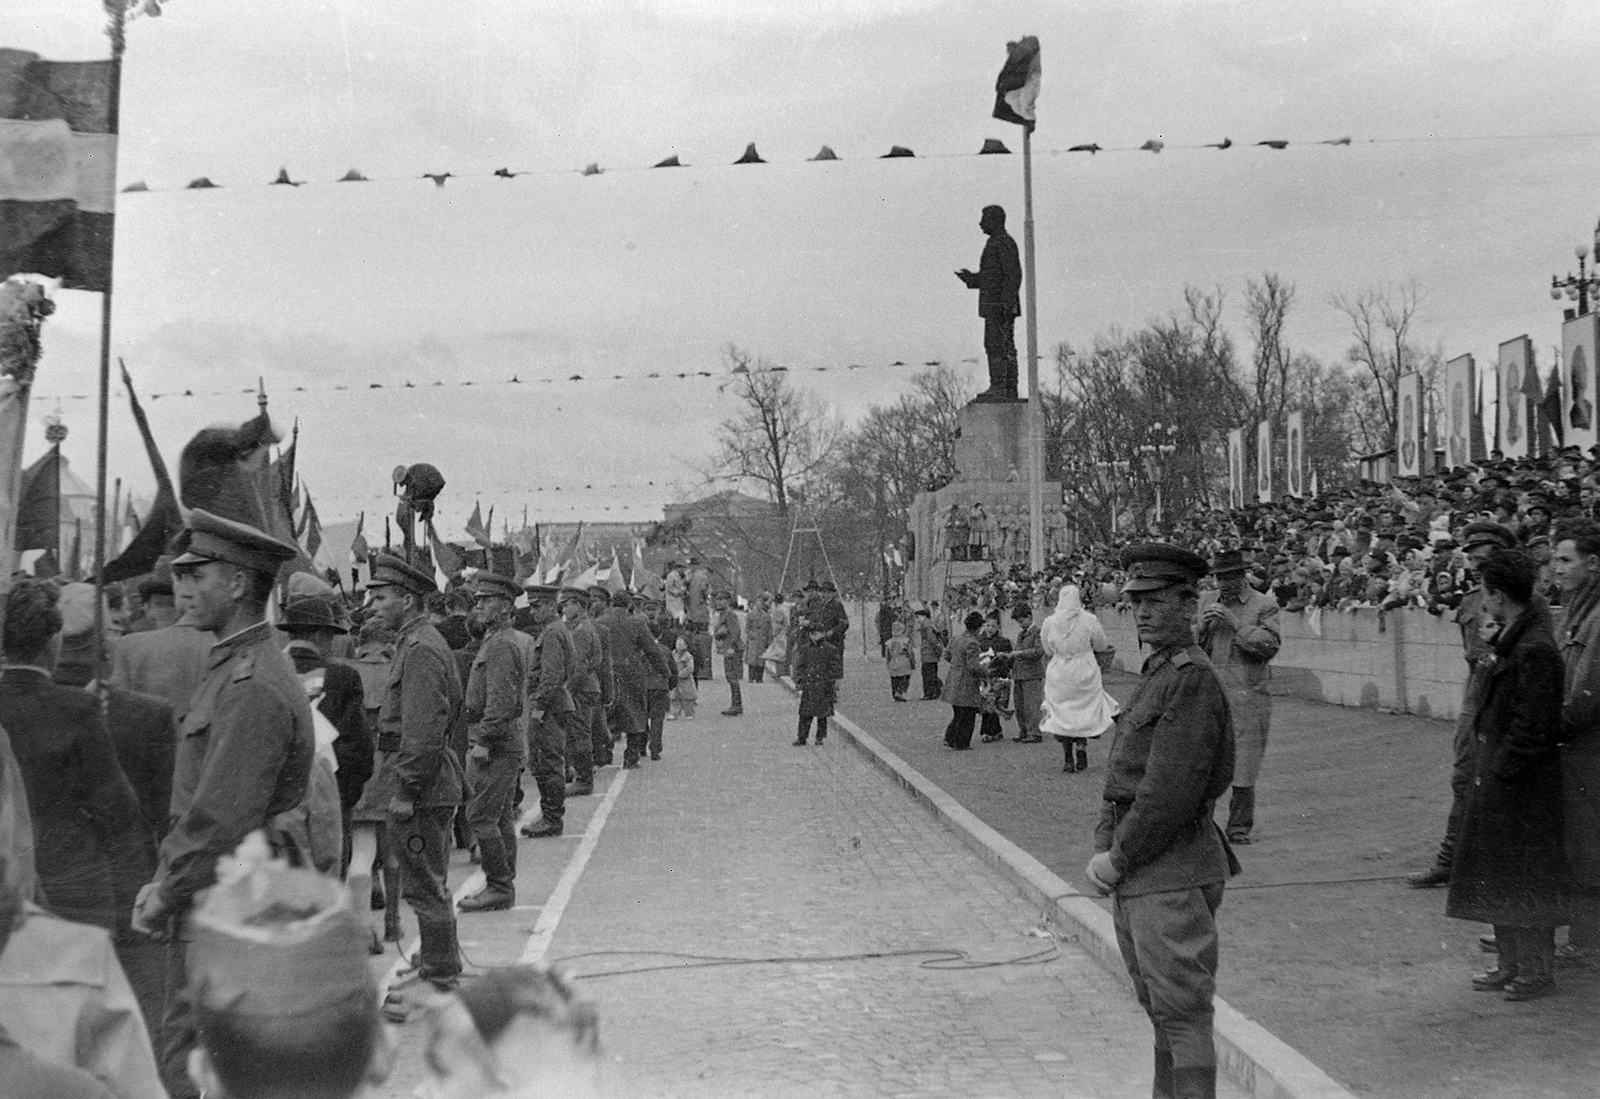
x=244, y=748
x=600, y=735
x=495, y=701
x=550, y=710
x=1239, y=632
x=421, y=707
x=635, y=655
x=584, y=684
x=1159, y=852
x=730, y=643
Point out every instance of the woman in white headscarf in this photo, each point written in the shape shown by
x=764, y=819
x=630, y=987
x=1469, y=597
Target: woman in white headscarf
x=1076, y=705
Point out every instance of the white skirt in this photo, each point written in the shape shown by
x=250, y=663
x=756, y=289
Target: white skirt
x=1075, y=701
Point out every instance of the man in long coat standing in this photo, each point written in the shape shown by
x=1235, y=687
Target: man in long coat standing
x=1576, y=565
x=998, y=282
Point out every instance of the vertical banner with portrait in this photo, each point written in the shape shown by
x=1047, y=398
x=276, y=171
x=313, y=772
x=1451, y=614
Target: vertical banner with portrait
x=1410, y=441
x=1264, y=461
x=1580, y=339
x=1295, y=472
x=1236, y=468
x=1516, y=359
x=1460, y=394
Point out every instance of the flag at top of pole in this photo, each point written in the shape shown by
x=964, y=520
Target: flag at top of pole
x=1017, y=87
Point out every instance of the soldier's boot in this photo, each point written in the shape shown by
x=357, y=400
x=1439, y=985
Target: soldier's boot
x=822, y=730
x=1162, y=1087
x=543, y=828
x=391, y=912
x=736, y=705
x=1194, y=1082
x=497, y=893
x=576, y=789
x=1241, y=814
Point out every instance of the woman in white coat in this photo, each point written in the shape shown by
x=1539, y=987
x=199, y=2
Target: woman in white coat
x=1076, y=705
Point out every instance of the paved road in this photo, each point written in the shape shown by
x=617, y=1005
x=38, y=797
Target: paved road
x=1322, y=942
x=738, y=845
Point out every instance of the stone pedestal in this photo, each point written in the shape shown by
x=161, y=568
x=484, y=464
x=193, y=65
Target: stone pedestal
x=991, y=457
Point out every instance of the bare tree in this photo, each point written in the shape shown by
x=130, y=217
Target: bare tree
x=1380, y=329
x=781, y=437
x=1267, y=304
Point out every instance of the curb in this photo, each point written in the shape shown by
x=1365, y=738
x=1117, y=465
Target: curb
x=1260, y=1062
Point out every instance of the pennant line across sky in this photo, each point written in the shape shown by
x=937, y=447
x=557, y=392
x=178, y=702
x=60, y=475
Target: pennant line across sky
x=58, y=169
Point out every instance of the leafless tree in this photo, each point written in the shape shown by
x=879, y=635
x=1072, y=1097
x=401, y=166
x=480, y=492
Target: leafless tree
x=780, y=437
x=1381, y=320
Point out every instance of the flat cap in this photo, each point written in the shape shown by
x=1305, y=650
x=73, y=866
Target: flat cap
x=213, y=538
x=391, y=571
x=491, y=585
x=1486, y=533
x=1156, y=565
x=311, y=612
x=1228, y=561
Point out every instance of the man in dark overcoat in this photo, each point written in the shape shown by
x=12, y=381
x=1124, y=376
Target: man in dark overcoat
x=998, y=282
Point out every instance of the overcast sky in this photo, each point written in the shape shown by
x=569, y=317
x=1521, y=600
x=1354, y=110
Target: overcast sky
x=1471, y=169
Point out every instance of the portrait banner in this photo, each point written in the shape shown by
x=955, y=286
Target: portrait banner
x=1296, y=472
x=1236, y=468
x=1516, y=359
x=1460, y=394
x=1580, y=339
x=1264, y=462
x=1409, y=439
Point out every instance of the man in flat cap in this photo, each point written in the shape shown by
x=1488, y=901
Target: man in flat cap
x=550, y=710
x=583, y=681
x=422, y=703
x=1478, y=541
x=1158, y=851
x=244, y=747
x=1239, y=632
x=496, y=700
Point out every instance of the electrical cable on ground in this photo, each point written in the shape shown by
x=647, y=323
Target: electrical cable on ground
x=937, y=958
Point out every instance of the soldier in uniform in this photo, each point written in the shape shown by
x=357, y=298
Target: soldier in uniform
x=730, y=643
x=584, y=684
x=1480, y=539
x=550, y=710
x=495, y=702
x=600, y=738
x=417, y=766
x=634, y=656
x=1239, y=632
x=244, y=748
x=1159, y=854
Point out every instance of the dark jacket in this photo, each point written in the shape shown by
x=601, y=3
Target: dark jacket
x=342, y=703
x=551, y=670
x=966, y=671
x=91, y=841
x=1510, y=866
x=1171, y=759
x=422, y=706
x=144, y=732
x=1000, y=277
x=496, y=693
x=635, y=655
x=819, y=668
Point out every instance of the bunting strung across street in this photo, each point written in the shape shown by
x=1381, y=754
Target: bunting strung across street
x=466, y=383
x=751, y=156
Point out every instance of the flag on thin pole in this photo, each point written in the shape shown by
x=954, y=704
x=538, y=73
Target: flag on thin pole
x=58, y=168
x=163, y=520
x=475, y=527
x=313, y=528
x=1017, y=87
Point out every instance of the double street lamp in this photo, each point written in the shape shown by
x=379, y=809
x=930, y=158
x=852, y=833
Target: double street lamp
x=1586, y=286
x=1155, y=458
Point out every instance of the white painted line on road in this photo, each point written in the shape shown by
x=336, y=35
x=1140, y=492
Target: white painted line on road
x=550, y=918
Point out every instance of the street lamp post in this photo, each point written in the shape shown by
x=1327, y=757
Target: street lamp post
x=1586, y=286
x=1155, y=460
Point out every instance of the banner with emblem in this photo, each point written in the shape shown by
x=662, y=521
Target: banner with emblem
x=1236, y=468
x=1296, y=473
x=1410, y=440
x=1460, y=396
x=1580, y=341
x=1264, y=461
x=1516, y=359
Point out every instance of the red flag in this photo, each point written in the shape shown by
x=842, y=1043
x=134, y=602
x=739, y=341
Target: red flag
x=163, y=520
x=1018, y=85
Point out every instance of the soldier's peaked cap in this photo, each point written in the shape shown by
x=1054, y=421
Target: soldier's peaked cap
x=1156, y=565
x=539, y=591
x=391, y=571
x=580, y=594
x=213, y=538
x=1485, y=533
x=489, y=585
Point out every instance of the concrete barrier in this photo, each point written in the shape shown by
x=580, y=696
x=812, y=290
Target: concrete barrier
x=1406, y=661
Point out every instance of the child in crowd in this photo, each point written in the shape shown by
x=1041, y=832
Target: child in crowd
x=821, y=666
x=685, y=694
x=901, y=661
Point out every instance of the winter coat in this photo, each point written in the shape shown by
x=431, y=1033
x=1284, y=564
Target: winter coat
x=966, y=671
x=1510, y=866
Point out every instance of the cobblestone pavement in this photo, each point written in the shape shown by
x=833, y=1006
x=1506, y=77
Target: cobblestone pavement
x=1322, y=942
x=738, y=845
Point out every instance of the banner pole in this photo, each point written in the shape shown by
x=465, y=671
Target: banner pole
x=1036, y=547
x=114, y=111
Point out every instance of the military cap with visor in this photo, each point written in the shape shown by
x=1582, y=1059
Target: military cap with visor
x=389, y=571
x=490, y=585
x=568, y=595
x=1486, y=533
x=1229, y=561
x=213, y=538
x=1153, y=566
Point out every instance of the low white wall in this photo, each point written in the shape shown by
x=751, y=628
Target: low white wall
x=1407, y=661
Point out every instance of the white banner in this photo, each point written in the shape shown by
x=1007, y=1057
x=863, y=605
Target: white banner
x=1409, y=439
x=1296, y=475
x=1264, y=461
x=1460, y=397
x=1236, y=468
x=1516, y=361
x=1580, y=342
